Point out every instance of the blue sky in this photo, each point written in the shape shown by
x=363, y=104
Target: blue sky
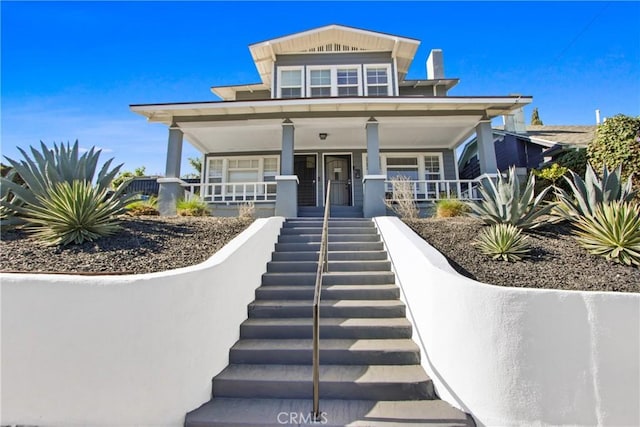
x=70, y=70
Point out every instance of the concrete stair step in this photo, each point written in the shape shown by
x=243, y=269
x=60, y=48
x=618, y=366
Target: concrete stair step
x=330, y=328
x=333, y=223
x=333, y=238
x=333, y=246
x=332, y=230
x=333, y=256
x=370, y=382
x=237, y=412
x=334, y=266
x=330, y=292
x=328, y=308
x=331, y=278
x=343, y=352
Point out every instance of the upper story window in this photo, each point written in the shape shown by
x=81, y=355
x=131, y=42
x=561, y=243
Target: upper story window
x=377, y=80
x=320, y=83
x=348, y=82
x=290, y=82
x=315, y=81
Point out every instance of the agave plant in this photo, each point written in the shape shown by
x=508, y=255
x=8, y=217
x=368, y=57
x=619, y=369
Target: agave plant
x=9, y=203
x=591, y=193
x=74, y=213
x=503, y=241
x=60, y=164
x=505, y=203
x=613, y=231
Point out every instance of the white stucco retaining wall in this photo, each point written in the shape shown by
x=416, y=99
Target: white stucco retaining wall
x=514, y=356
x=125, y=350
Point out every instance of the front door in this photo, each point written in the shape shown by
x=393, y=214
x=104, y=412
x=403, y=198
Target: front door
x=338, y=170
x=304, y=166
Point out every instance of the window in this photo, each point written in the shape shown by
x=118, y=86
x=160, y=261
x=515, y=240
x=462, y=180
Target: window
x=432, y=167
x=406, y=167
x=347, y=82
x=242, y=169
x=319, y=83
x=377, y=81
x=290, y=83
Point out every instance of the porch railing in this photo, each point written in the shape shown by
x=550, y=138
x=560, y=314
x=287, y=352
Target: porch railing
x=230, y=192
x=431, y=190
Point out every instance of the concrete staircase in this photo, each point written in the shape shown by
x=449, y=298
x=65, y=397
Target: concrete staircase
x=370, y=368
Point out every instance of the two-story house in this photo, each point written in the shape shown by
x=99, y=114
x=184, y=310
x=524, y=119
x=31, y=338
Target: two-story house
x=333, y=103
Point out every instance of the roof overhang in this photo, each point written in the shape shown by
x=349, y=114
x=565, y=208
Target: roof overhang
x=333, y=39
x=407, y=123
x=228, y=93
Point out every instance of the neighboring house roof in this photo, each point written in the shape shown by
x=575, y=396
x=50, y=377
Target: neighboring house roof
x=554, y=138
x=330, y=39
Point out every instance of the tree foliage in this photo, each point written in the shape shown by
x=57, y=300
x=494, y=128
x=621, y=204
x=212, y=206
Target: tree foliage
x=576, y=160
x=123, y=176
x=535, y=117
x=617, y=143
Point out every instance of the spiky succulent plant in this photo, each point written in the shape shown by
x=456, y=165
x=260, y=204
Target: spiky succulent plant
x=63, y=199
x=74, y=213
x=613, y=231
x=505, y=202
x=588, y=194
x=503, y=241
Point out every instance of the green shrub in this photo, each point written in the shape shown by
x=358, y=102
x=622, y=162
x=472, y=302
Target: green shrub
x=575, y=160
x=192, y=207
x=505, y=203
x=551, y=173
x=586, y=196
x=503, y=241
x=73, y=213
x=143, y=207
x=617, y=143
x=613, y=231
x=446, y=208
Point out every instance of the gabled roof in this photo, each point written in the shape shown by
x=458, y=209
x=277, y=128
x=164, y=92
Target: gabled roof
x=333, y=39
x=556, y=137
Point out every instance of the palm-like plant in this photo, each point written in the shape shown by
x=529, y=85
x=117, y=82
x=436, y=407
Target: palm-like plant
x=613, y=231
x=73, y=213
x=503, y=241
x=590, y=193
x=505, y=203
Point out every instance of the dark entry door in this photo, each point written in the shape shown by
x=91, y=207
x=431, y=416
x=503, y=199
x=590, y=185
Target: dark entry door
x=304, y=166
x=338, y=170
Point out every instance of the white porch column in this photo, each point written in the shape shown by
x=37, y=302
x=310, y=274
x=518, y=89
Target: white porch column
x=287, y=181
x=170, y=188
x=486, y=148
x=373, y=203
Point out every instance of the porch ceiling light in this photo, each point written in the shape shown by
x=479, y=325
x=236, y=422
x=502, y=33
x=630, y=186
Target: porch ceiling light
x=323, y=135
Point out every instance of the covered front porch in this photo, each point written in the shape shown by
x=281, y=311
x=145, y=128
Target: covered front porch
x=279, y=154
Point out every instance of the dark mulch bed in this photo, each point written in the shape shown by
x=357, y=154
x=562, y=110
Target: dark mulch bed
x=144, y=245
x=556, y=262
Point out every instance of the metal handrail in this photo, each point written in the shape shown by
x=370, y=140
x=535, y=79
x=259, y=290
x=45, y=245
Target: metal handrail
x=323, y=267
